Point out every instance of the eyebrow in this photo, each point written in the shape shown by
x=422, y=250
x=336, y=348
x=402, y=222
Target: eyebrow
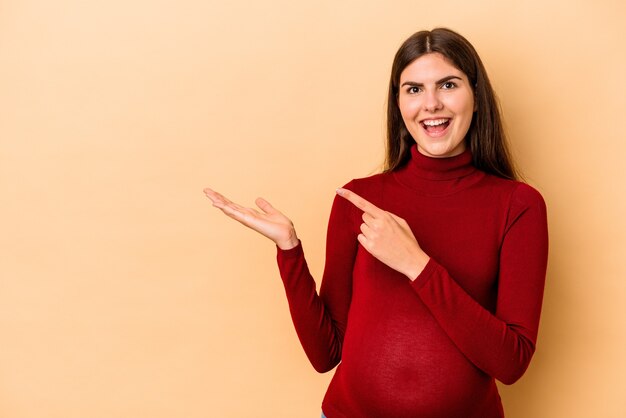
x=443, y=80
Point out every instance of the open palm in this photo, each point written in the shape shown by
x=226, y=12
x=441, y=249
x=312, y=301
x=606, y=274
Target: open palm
x=269, y=221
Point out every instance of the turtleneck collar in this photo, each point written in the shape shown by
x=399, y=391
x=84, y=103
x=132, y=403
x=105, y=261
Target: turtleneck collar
x=438, y=176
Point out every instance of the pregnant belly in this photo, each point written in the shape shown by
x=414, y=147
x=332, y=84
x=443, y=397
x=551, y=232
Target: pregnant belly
x=393, y=369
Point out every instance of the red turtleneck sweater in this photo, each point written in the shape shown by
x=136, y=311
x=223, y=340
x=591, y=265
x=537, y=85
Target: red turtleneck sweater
x=430, y=347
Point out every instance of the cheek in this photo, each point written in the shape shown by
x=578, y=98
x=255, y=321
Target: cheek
x=463, y=107
x=470, y=115
x=468, y=109
x=467, y=122
x=408, y=108
x=471, y=108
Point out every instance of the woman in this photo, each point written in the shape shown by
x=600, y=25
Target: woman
x=435, y=268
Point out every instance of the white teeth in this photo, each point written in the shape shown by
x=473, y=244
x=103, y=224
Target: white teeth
x=435, y=122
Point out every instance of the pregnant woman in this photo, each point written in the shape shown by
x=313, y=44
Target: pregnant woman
x=435, y=268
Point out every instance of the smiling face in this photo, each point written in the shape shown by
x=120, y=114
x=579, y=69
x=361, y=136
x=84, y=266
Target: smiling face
x=437, y=104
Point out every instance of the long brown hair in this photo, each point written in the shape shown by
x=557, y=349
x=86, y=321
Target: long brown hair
x=485, y=138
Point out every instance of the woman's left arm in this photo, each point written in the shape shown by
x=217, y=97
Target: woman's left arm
x=501, y=343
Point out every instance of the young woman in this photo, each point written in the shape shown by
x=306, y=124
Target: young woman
x=435, y=268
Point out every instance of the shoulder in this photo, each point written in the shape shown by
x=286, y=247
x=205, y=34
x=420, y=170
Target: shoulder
x=524, y=202
x=367, y=186
x=524, y=196
x=527, y=195
x=513, y=199
x=516, y=192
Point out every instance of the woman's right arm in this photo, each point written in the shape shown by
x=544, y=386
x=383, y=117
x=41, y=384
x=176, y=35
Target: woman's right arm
x=320, y=320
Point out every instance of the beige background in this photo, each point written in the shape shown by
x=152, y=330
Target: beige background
x=124, y=294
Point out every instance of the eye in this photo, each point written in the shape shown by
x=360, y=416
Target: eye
x=413, y=90
x=448, y=85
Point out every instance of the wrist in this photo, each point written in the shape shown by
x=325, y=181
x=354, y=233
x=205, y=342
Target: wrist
x=417, y=265
x=288, y=243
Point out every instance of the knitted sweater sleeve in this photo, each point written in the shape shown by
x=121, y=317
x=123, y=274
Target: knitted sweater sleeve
x=501, y=343
x=320, y=320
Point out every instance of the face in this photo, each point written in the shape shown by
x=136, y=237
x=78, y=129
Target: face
x=437, y=103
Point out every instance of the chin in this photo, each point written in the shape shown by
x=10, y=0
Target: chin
x=435, y=152
x=440, y=150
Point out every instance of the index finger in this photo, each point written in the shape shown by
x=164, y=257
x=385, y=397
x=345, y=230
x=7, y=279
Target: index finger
x=216, y=198
x=359, y=202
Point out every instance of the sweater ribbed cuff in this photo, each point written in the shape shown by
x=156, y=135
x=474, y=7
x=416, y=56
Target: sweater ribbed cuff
x=290, y=253
x=426, y=274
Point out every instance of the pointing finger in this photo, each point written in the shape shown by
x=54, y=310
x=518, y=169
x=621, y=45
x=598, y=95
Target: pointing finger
x=359, y=202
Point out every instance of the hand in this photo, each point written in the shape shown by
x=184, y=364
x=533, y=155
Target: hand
x=388, y=237
x=270, y=222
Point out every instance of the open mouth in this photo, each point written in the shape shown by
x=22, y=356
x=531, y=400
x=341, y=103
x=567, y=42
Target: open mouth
x=435, y=126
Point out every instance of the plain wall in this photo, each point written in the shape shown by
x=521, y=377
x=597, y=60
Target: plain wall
x=124, y=294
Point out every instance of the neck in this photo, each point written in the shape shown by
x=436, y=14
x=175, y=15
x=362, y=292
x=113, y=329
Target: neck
x=437, y=175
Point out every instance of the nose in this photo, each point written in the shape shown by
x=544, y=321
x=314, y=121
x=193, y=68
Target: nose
x=431, y=101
